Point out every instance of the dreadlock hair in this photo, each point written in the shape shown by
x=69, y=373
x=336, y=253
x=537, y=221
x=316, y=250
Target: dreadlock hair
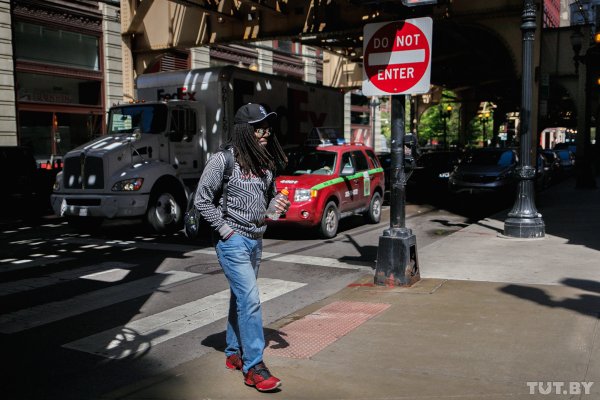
x=252, y=156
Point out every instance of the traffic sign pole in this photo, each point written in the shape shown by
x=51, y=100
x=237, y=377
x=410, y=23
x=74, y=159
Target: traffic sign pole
x=397, y=260
x=397, y=61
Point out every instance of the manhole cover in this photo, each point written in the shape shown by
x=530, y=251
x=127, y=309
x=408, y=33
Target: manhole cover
x=206, y=269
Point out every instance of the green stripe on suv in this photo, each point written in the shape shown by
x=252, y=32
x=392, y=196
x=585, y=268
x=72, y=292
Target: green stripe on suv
x=338, y=180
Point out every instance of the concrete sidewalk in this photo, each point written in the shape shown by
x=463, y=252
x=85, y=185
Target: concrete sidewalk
x=491, y=319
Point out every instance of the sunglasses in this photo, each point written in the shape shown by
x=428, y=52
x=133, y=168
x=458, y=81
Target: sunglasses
x=262, y=132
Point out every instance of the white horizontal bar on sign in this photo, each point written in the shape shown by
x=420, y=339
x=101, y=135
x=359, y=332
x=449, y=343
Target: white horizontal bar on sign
x=145, y=333
x=397, y=57
x=51, y=312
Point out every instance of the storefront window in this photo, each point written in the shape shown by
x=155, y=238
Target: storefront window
x=55, y=89
x=72, y=130
x=56, y=46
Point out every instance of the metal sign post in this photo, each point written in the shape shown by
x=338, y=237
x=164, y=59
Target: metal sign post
x=397, y=61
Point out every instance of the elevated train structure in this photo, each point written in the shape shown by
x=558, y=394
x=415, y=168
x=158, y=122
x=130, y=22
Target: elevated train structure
x=476, y=45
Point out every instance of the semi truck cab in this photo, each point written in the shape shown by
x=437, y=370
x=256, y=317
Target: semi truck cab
x=145, y=165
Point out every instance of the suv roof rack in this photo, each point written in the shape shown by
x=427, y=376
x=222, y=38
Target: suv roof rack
x=325, y=136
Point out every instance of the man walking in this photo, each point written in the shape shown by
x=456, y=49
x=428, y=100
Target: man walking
x=258, y=155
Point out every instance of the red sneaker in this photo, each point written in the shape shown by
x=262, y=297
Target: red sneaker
x=234, y=361
x=260, y=377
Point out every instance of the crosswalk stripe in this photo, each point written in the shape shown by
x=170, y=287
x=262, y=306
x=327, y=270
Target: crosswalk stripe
x=144, y=333
x=55, y=311
x=279, y=257
x=24, y=285
x=304, y=259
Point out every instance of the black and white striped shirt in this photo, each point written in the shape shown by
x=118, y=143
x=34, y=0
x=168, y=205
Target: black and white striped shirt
x=247, y=199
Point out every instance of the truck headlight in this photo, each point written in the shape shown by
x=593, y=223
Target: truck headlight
x=301, y=195
x=128, y=185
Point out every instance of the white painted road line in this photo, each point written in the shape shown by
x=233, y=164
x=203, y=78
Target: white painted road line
x=307, y=260
x=24, y=285
x=51, y=312
x=279, y=257
x=144, y=333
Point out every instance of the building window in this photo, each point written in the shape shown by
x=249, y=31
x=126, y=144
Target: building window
x=38, y=88
x=56, y=46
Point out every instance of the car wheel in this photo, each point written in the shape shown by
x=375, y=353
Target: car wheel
x=165, y=213
x=329, y=221
x=373, y=215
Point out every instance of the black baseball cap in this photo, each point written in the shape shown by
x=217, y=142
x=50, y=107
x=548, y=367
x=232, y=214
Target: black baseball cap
x=252, y=113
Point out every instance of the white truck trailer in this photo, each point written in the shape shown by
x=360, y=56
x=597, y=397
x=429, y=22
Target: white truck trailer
x=151, y=157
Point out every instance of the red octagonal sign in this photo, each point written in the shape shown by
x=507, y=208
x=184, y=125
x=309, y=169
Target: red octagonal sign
x=397, y=57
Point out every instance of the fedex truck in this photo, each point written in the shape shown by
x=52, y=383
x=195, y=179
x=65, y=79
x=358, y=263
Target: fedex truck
x=150, y=159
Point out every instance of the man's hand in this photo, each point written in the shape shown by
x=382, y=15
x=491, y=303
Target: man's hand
x=282, y=205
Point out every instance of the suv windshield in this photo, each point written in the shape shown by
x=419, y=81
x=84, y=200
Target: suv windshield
x=311, y=162
x=146, y=118
x=501, y=158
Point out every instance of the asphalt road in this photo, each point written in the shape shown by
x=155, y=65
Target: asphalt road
x=82, y=314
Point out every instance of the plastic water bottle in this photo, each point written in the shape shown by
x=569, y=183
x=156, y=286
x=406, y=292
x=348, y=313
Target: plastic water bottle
x=272, y=212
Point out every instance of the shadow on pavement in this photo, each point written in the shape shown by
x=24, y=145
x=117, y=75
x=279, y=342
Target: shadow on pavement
x=273, y=339
x=586, y=304
x=40, y=367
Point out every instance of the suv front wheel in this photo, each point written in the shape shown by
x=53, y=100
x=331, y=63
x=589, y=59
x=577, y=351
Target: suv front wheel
x=329, y=221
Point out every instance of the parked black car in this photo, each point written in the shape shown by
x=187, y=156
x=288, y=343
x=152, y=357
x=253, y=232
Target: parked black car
x=433, y=171
x=21, y=196
x=485, y=170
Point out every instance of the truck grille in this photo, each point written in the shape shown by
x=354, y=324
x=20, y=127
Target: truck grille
x=93, y=173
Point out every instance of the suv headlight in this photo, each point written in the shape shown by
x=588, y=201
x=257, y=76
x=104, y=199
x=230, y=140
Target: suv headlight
x=128, y=185
x=301, y=195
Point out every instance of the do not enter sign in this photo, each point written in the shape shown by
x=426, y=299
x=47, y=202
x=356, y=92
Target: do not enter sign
x=397, y=57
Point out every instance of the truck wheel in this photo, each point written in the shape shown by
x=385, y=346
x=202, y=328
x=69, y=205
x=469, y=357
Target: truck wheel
x=373, y=216
x=165, y=213
x=329, y=221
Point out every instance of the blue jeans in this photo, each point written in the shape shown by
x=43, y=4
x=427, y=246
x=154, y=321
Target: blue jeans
x=239, y=257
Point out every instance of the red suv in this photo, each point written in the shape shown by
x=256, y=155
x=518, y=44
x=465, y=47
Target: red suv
x=329, y=182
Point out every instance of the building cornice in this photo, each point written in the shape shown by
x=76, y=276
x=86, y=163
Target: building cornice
x=59, y=17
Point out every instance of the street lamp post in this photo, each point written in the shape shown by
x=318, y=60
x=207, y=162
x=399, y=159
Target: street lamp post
x=523, y=220
x=446, y=113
